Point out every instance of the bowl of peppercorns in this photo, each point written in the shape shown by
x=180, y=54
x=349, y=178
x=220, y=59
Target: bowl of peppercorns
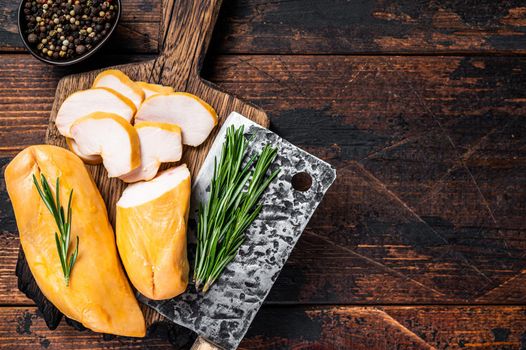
x=65, y=32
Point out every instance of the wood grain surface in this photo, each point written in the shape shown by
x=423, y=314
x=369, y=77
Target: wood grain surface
x=329, y=27
x=420, y=243
x=138, y=31
x=392, y=327
x=372, y=26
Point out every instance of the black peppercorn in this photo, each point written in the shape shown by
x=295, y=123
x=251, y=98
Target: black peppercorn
x=32, y=38
x=65, y=29
x=80, y=49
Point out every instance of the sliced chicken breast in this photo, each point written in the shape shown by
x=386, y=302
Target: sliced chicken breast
x=84, y=102
x=92, y=159
x=195, y=117
x=118, y=81
x=154, y=89
x=111, y=137
x=160, y=143
x=151, y=233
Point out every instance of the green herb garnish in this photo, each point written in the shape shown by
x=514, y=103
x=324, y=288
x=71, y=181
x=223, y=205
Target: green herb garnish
x=63, y=222
x=231, y=208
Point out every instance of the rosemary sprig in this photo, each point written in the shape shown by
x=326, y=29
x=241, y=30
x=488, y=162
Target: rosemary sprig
x=235, y=190
x=63, y=221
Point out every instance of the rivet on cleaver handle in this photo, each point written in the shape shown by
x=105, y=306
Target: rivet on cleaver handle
x=224, y=314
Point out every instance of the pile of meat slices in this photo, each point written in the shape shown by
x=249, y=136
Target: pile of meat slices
x=132, y=127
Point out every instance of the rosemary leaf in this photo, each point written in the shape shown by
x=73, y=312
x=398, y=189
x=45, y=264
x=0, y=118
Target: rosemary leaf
x=63, y=221
x=236, y=187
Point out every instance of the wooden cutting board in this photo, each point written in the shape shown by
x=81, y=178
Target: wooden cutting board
x=188, y=26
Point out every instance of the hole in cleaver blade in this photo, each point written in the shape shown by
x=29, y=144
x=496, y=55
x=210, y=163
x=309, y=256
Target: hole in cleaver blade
x=224, y=314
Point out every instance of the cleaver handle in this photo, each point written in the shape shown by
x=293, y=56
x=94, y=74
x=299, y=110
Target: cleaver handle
x=203, y=344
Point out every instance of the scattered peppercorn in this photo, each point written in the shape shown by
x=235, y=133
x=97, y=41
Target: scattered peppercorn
x=66, y=29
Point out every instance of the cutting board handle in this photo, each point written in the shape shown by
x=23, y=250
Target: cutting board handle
x=188, y=28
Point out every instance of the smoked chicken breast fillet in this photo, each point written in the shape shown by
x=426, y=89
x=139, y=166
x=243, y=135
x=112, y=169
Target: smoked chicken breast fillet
x=151, y=233
x=99, y=295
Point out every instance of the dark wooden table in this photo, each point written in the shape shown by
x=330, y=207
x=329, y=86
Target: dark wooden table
x=420, y=105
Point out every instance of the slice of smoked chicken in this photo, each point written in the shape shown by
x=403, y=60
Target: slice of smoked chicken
x=98, y=295
x=151, y=233
x=160, y=143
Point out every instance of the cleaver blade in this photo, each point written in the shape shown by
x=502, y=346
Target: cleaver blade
x=222, y=315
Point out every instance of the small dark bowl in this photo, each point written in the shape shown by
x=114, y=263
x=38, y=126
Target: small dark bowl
x=22, y=26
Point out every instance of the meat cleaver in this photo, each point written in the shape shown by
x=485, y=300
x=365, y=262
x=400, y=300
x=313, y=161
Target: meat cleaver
x=221, y=317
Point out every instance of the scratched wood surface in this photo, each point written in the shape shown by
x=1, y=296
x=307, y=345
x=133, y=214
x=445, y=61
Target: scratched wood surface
x=139, y=28
x=372, y=26
x=324, y=327
x=421, y=241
